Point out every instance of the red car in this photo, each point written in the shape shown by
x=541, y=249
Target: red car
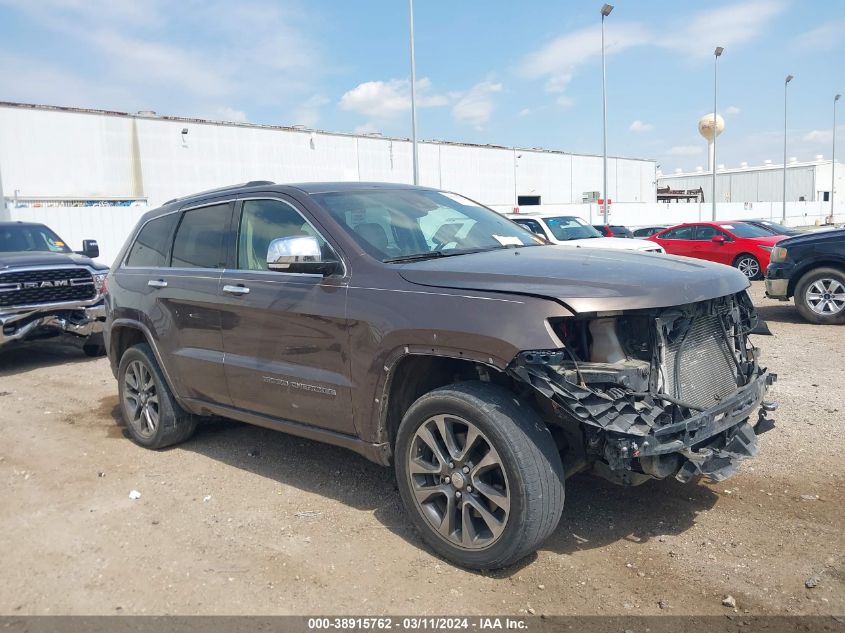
x=745, y=246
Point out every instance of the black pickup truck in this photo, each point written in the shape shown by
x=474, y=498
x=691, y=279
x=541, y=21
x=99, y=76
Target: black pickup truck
x=47, y=290
x=811, y=268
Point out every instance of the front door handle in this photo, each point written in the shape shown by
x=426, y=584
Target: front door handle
x=236, y=290
x=157, y=283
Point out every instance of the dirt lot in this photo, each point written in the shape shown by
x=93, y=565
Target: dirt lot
x=243, y=520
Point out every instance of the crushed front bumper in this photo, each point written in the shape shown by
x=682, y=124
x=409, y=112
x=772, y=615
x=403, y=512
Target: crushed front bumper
x=80, y=321
x=630, y=445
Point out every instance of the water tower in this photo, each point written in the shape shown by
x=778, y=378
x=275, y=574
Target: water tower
x=708, y=130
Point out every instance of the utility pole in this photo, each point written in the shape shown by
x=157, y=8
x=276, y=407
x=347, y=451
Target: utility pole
x=414, y=98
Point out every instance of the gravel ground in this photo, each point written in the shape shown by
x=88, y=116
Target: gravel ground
x=242, y=520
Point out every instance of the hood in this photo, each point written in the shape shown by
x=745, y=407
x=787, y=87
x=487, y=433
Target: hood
x=25, y=259
x=819, y=235
x=769, y=240
x=586, y=280
x=616, y=243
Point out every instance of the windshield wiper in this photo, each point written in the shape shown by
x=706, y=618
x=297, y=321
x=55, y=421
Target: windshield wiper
x=414, y=257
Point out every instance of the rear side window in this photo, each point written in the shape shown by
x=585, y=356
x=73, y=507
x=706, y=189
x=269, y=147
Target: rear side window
x=681, y=233
x=531, y=225
x=704, y=233
x=150, y=247
x=200, y=240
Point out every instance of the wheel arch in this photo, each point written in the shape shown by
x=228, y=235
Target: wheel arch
x=416, y=373
x=125, y=333
x=809, y=267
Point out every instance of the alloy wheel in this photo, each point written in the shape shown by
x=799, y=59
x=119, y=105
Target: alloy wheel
x=826, y=296
x=140, y=399
x=459, y=482
x=749, y=267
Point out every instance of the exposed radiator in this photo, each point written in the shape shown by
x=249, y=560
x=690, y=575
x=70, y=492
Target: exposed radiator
x=707, y=371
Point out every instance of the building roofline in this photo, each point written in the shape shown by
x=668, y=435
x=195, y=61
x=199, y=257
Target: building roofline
x=750, y=168
x=152, y=116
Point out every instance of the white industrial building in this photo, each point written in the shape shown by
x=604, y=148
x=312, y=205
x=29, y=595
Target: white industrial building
x=54, y=157
x=809, y=181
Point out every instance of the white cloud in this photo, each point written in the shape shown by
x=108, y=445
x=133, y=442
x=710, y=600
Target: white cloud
x=640, y=126
x=729, y=25
x=818, y=136
x=557, y=60
x=732, y=110
x=822, y=38
x=388, y=99
x=138, y=57
x=565, y=101
x=685, y=150
x=308, y=112
x=525, y=111
x=366, y=128
x=475, y=106
x=155, y=63
x=230, y=114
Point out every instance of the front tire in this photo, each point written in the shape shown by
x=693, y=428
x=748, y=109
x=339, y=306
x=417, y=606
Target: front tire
x=820, y=296
x=152, y=416
x=749, y=266
x=479, y=473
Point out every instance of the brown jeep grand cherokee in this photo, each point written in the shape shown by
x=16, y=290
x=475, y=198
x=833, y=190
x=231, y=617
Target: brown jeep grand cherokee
x=422, y=329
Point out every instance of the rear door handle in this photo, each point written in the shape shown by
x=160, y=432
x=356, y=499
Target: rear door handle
x=157, y=283
x=236, y=290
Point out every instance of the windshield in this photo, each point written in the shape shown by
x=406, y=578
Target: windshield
x=399, y=224
x=741, y=229
x=774, y=227
x=30, y=237
x=571, y=228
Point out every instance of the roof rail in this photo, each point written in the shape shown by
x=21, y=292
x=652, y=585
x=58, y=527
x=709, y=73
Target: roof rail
x=251, y=183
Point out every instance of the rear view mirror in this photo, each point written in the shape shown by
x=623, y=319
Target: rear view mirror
x=90, y=249
x=298, y=254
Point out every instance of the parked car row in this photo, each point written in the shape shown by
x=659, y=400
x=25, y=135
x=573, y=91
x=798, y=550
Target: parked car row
x=573, y=231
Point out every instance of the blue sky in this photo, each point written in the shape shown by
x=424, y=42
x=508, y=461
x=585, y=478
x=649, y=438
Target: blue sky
x=488, y=71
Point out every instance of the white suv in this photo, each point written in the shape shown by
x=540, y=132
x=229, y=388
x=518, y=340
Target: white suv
x=573, y=231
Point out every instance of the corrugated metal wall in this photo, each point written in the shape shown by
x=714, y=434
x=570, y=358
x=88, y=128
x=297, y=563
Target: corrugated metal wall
x=73, y=154
x=761, y=185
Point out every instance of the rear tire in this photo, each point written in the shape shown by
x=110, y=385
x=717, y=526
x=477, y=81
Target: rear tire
x=484, y=502
x=749, y=266
x=151, y=414
x=820, y=296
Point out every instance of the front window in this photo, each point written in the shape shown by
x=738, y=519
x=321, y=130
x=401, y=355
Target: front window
x=399, y=224
x=741, y=229
x=263, y=221
x=16, y=238
x=570, y=228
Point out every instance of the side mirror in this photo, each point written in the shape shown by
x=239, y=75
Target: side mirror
x=299, y=254
x=718, y=239
x=90, y=249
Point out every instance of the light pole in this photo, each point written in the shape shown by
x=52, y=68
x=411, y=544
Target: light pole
x=605, y=11
x=717, y=54
x=413, y=98
x=785, y=84
x=833, y=158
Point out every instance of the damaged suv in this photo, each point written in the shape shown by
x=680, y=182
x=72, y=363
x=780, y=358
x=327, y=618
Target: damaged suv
x=426, y=331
